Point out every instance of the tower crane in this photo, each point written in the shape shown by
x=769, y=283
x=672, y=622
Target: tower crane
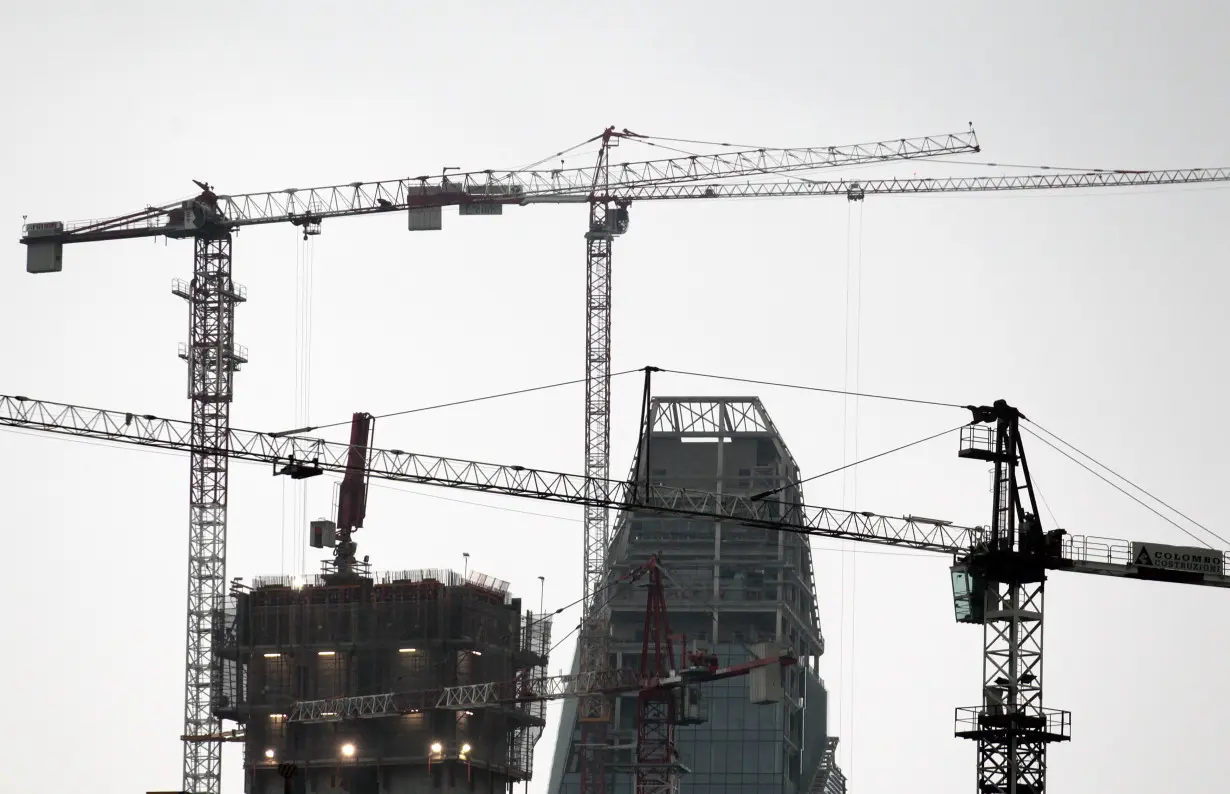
x=998, y=573
x=608, y=189
x=210, y=219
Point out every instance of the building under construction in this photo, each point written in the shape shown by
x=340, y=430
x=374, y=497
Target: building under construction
x=730, y=587
x=353, y=632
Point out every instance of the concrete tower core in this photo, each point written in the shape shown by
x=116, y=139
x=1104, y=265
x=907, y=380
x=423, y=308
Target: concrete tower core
x=356, y=632
x=730, y=586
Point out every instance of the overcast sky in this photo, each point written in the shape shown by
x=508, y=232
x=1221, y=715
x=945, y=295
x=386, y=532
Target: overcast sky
x=1100, y=314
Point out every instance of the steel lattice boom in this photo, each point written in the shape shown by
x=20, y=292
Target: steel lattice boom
x=525, y=690
x=998, y=576
x=292, y=205
x=1080, y=554
x=398, y=465
x=856, y=189
x=361, y=198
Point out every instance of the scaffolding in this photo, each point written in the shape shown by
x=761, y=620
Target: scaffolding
x=343, y=634
x=536, y=635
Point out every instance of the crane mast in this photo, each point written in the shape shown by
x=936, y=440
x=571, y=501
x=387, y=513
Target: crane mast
x=594, y=710
x=1001, y=583
x=211, y=368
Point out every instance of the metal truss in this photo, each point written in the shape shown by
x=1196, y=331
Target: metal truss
x=473, y=696
x=597, y=396
x=1080, y=554
x=211, y=367
x=234, y=735
x=593, y=647
x=707, y=416
x=828, y=778
x=346, y=708
x=1012, y=666
x=657, y=767
x=1012, y=727
x=359, y=198
x=856, y=189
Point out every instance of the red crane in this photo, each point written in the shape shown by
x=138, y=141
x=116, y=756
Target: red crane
x=998, y=575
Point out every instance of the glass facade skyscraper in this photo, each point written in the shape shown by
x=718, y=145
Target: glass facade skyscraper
x=731, y=587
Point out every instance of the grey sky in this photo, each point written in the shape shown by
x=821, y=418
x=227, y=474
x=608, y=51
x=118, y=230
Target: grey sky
x=1100, y=314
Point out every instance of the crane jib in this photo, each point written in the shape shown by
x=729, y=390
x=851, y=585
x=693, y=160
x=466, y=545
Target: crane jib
x=1075, y=553
x=45, y=239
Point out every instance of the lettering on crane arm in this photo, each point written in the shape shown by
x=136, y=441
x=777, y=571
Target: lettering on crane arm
x=1177, y=558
